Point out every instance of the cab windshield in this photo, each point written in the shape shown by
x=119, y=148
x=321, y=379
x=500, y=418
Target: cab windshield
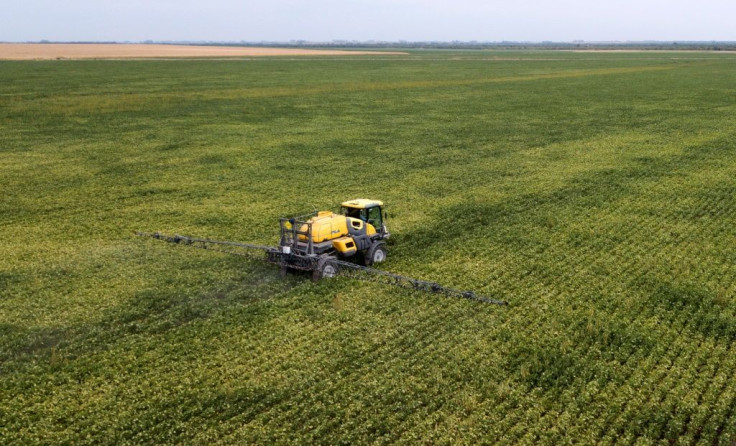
x=354, y=213
x=370, y=215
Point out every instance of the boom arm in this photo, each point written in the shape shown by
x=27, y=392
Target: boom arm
x=310, y=263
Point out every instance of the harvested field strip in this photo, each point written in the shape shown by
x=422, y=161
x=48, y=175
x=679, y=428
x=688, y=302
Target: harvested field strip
x=40, y=51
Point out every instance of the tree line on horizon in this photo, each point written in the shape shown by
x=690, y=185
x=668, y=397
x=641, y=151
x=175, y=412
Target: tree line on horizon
x=455, y=44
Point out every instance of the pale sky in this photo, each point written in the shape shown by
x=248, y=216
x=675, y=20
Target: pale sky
x=387, y=20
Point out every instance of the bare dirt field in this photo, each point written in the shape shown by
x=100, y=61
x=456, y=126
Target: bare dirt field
x=46, y=51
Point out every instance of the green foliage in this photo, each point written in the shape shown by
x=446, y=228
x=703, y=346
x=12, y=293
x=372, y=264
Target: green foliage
x=595, y=192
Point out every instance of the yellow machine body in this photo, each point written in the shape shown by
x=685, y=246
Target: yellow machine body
x=328, y=226
x=345, y=246
x=359, y=228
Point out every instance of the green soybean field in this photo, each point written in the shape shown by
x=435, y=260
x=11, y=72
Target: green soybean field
x=595, y=192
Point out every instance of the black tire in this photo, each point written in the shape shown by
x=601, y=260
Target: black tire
x=377, y=253
x=326, y=269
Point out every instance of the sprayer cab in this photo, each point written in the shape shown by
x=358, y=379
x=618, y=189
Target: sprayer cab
x=369, y=211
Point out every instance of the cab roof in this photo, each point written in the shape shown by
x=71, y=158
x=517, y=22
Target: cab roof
x=361, y=203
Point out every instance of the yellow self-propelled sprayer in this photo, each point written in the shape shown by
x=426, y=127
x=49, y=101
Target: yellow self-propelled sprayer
x=327, y=244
